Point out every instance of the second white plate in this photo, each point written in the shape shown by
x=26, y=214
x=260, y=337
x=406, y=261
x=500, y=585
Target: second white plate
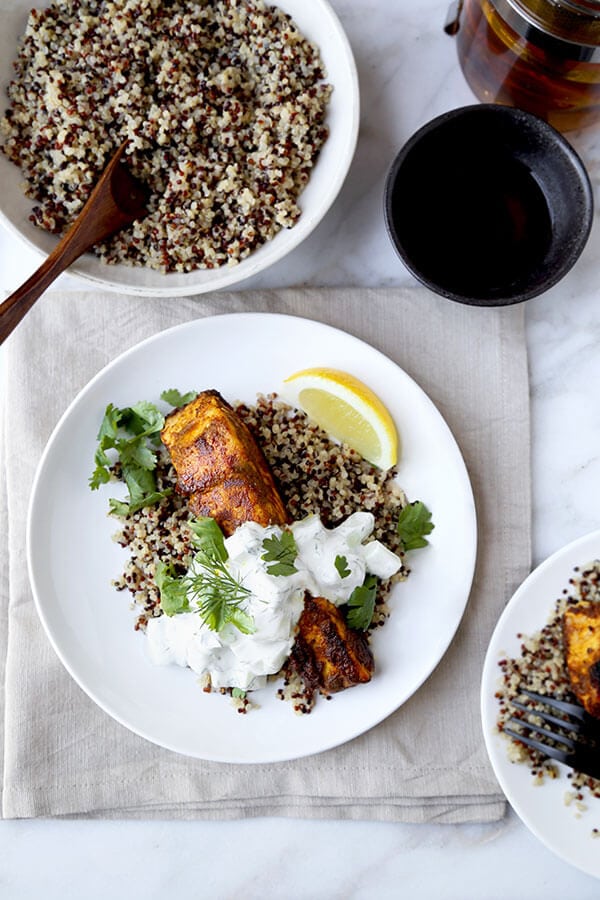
x=540, y=807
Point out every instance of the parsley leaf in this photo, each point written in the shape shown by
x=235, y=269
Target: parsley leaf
x=207, y=536
x=146, y=500
x=341, y=564
x=414, y=522
x=133, y=435
x=143, y=420
x=110, y=423
x=242, y=621
x=176, y=398
x=173, y=590
x=118, y=507
x=282, y=552
x=100, y=475
x=362, y=604
x=238, y=694
x=138, y=478
x=130, y=432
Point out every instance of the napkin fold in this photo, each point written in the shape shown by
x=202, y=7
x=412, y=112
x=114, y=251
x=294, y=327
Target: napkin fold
x=63, y=756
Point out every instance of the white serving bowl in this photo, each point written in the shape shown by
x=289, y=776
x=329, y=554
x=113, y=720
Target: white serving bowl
x=318, y=22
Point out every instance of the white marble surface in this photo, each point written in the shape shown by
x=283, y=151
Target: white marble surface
x=408, y=74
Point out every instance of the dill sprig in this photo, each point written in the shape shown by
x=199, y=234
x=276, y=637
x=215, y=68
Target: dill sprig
x=217, y=594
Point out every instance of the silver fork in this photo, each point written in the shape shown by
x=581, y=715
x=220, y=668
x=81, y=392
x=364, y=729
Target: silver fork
x=575, y=730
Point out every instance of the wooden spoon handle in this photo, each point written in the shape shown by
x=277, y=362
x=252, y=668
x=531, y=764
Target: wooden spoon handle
x=101, y=216
x=20, y=302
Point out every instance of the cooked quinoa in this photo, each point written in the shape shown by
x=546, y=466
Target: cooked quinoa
x=314, y=475
x=222, y=103
x=541, y=668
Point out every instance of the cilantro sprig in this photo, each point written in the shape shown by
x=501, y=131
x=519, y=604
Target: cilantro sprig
x=208, y=537
x=172, y=589
x=361, y=604
x=281, y=552
x=414, y=522
x=131, y=436
x=176, y=398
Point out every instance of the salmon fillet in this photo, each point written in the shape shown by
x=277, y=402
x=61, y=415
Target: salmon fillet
x=219, y=465
x=581, y=635
x=327, y=653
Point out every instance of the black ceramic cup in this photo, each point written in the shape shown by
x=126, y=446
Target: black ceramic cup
x=488, y=205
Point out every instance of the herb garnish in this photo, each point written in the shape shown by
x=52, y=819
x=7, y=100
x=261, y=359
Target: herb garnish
x=217, y=594
x=173, y=590
x=282, y=551
x=208, y=537
x=176, y=398
x=362, y=604
x=238, y=694
x=341, y=564
x=134, y=433
x=414, y=522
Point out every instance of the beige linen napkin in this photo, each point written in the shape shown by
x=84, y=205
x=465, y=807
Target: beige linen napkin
x=66, y=757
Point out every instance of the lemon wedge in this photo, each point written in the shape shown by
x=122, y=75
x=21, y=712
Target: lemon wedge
x=347, y=410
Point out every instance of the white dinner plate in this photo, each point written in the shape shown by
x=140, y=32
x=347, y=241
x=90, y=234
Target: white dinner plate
x=541, y=807
x=72, y=557
x=318, y=22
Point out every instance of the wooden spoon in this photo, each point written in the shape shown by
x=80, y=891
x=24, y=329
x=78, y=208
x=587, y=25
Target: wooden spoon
x=116, y=201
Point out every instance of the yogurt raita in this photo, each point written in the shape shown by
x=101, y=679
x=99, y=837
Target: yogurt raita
x=274, y=602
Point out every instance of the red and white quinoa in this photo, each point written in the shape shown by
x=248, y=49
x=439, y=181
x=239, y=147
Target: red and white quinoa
x=222, y=103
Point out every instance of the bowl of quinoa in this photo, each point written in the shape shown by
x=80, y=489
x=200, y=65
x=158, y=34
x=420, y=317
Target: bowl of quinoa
x=559, y=805
x=240, y=116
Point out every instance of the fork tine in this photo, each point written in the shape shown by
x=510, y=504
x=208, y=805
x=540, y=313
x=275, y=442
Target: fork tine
x=592, y=725
x=573, y=709
x=551, y=735
x=584, y=758
x=576, y=726
x=554, y=752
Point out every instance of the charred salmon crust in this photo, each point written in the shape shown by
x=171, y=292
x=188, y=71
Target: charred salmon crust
x=581, y=636
x=327, y=654
x=219, y=465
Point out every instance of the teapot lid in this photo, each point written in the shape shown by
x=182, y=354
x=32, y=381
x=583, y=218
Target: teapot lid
x=569, y=28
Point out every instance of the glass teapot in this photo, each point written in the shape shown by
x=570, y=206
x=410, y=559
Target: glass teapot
x=540, y=55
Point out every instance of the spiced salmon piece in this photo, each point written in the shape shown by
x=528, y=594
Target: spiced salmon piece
x=327, y=653
x=581, y=635
x=219, y=465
